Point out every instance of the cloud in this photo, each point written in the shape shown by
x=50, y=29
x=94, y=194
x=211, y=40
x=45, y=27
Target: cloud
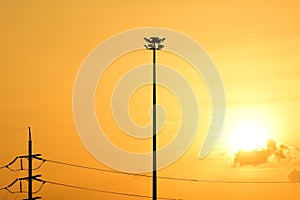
x=255, y=157
x=294, y=175
x=274, y=152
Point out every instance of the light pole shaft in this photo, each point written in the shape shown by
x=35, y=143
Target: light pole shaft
x=154, y=187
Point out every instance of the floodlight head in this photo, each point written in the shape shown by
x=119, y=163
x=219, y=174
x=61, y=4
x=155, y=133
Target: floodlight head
x=160, y=47
x=154, y=43
x=151, y=45
x=155, y=39
x=147, y=40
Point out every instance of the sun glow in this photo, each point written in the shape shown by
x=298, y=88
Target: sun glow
x=248, y=136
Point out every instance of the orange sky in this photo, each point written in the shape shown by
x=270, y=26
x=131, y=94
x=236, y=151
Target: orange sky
x=254, y=45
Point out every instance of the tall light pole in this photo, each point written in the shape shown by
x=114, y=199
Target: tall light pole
x=154, y=43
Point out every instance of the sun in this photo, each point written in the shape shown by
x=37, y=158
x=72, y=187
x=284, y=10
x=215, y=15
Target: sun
x=248, y=136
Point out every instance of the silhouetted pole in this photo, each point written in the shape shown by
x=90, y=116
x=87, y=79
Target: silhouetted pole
x=29, y=166
x=154, y=195
x=30, y=178
x=152, y=41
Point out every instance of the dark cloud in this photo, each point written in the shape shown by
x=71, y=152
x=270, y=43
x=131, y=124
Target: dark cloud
x=273, y=152
x=294, y=175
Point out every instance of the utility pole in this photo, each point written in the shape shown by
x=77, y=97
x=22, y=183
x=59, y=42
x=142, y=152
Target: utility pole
x=154, y=44
x=30, y=177
x=29, y=165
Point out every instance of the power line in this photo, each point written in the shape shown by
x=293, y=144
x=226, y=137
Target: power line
x=4, y=188
x=30, y=178
x=168, y=177
x=7, y=188
x=95, y=169
x=106, y=191
x=9, y=164
x=145, y=175
x=35, y=156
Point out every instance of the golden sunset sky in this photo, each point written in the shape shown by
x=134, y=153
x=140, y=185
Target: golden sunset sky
x=255, y=46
